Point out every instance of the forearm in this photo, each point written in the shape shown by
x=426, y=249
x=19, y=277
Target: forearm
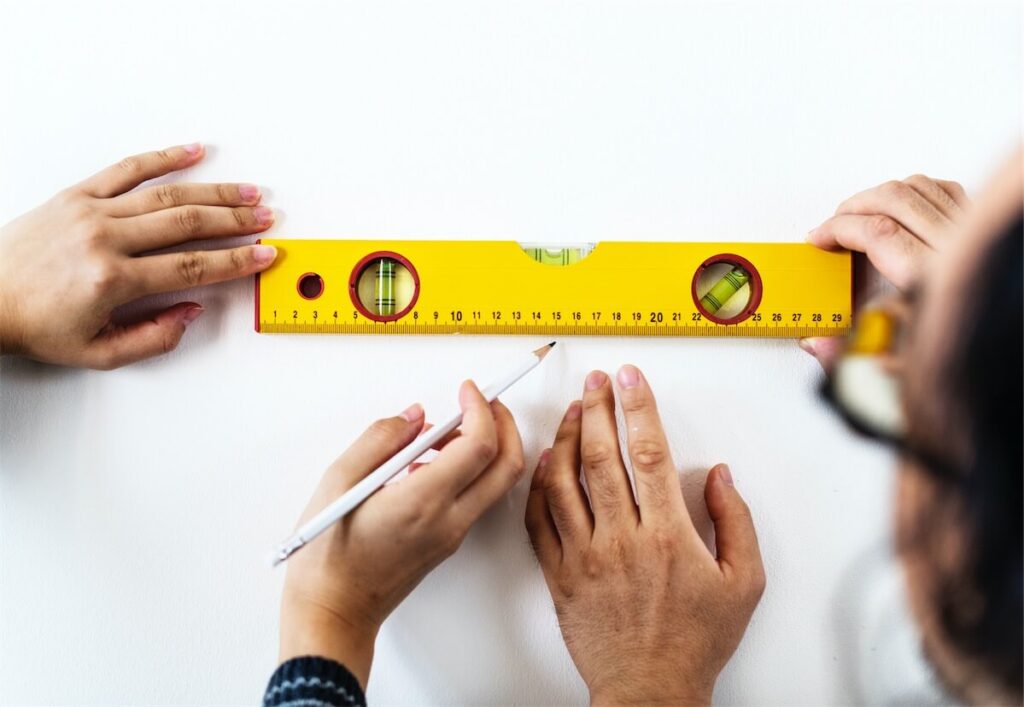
x=311, y=632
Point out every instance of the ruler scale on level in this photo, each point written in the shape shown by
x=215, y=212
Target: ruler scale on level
x=373, y=481
x=501, y=287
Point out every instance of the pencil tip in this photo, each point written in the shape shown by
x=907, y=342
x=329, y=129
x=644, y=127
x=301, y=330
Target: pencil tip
x=543, y=350
x=552, y=343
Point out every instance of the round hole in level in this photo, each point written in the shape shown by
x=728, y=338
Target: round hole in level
x=726, y=289
x=310, y=286
x=384, y=286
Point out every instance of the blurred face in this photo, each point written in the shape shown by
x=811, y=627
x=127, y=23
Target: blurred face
x=930, y=538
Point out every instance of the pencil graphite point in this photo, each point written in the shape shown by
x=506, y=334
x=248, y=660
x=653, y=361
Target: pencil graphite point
x=543, y=350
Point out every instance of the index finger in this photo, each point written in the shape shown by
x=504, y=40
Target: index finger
x=658, y=492
x=133, y=171
x=465, y=457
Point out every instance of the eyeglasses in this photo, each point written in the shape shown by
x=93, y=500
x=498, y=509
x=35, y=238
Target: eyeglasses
x=865, y=384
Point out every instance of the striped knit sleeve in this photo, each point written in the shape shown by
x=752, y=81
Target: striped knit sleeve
x=311, y=681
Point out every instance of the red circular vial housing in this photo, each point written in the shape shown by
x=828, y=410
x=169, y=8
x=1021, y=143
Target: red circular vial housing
x=756, y=288
x=357, y=271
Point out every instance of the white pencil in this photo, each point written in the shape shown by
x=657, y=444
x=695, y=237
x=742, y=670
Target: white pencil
x=351, y=499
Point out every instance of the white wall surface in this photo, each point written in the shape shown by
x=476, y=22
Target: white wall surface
x=136, y=506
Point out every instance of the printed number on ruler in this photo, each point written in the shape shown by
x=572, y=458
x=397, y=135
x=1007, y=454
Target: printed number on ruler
x=499, y=287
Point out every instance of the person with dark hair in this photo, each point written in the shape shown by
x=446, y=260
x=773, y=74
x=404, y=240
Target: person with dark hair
x=648, y=614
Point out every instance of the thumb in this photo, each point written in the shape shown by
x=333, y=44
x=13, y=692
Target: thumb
x=738, y=553
x=118, y=345
x=824, y=348
x=380, y=441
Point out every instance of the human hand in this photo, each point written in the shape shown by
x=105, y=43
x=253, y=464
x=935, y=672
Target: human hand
x=67, y=264
x=648, y=614
x=900, y=226
x=342, y=585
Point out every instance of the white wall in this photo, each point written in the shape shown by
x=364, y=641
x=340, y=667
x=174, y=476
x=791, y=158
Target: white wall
x=534, y=121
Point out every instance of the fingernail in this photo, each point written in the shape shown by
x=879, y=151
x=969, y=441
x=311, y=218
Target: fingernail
x=574, y=412
x=249, y=192
x=629, y=376
x=264, y=254
x=192, y=314
x=193, y=148
x=263, y=215
x=466, y=391
x=725, y=474
x=544, y=456
x=809, y=345
x=413, y=413
x=595, y=380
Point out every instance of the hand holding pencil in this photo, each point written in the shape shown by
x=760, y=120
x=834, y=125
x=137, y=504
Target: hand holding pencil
x=342, y=585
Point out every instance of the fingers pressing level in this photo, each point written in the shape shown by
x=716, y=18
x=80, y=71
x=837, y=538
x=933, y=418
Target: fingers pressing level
x=892, y=249
x=904, y=204
x=182, y=224
x=178, y=271
x=169, y=196
x=133, y=171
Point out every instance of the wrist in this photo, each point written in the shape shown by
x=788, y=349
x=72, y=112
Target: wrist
x=316, y=631
x=631, y=694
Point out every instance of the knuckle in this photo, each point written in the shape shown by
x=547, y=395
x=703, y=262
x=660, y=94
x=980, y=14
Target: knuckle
x=168, y=341
x=567, y=586
x=382, y=430
x=168, y=195
x=647, y=453
x=91, y=230
x=882, y=226
x=919, y=179
x=894, y=189
x=240, y=220
x=757, y=583
x=411, y=515
x=665, y=541
x=130, y=165
x=190, y=221
x=226, y=194
x=103, y=278
x=484, y=450
x=191, y=268
x=165, y=157
x=595, y=454
x=592, y=564
x=238, y=262
x=69, y=197
x=634, y=403
x=451, y=537
x=517, y=465
x=556, y=492
x=565, y=433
